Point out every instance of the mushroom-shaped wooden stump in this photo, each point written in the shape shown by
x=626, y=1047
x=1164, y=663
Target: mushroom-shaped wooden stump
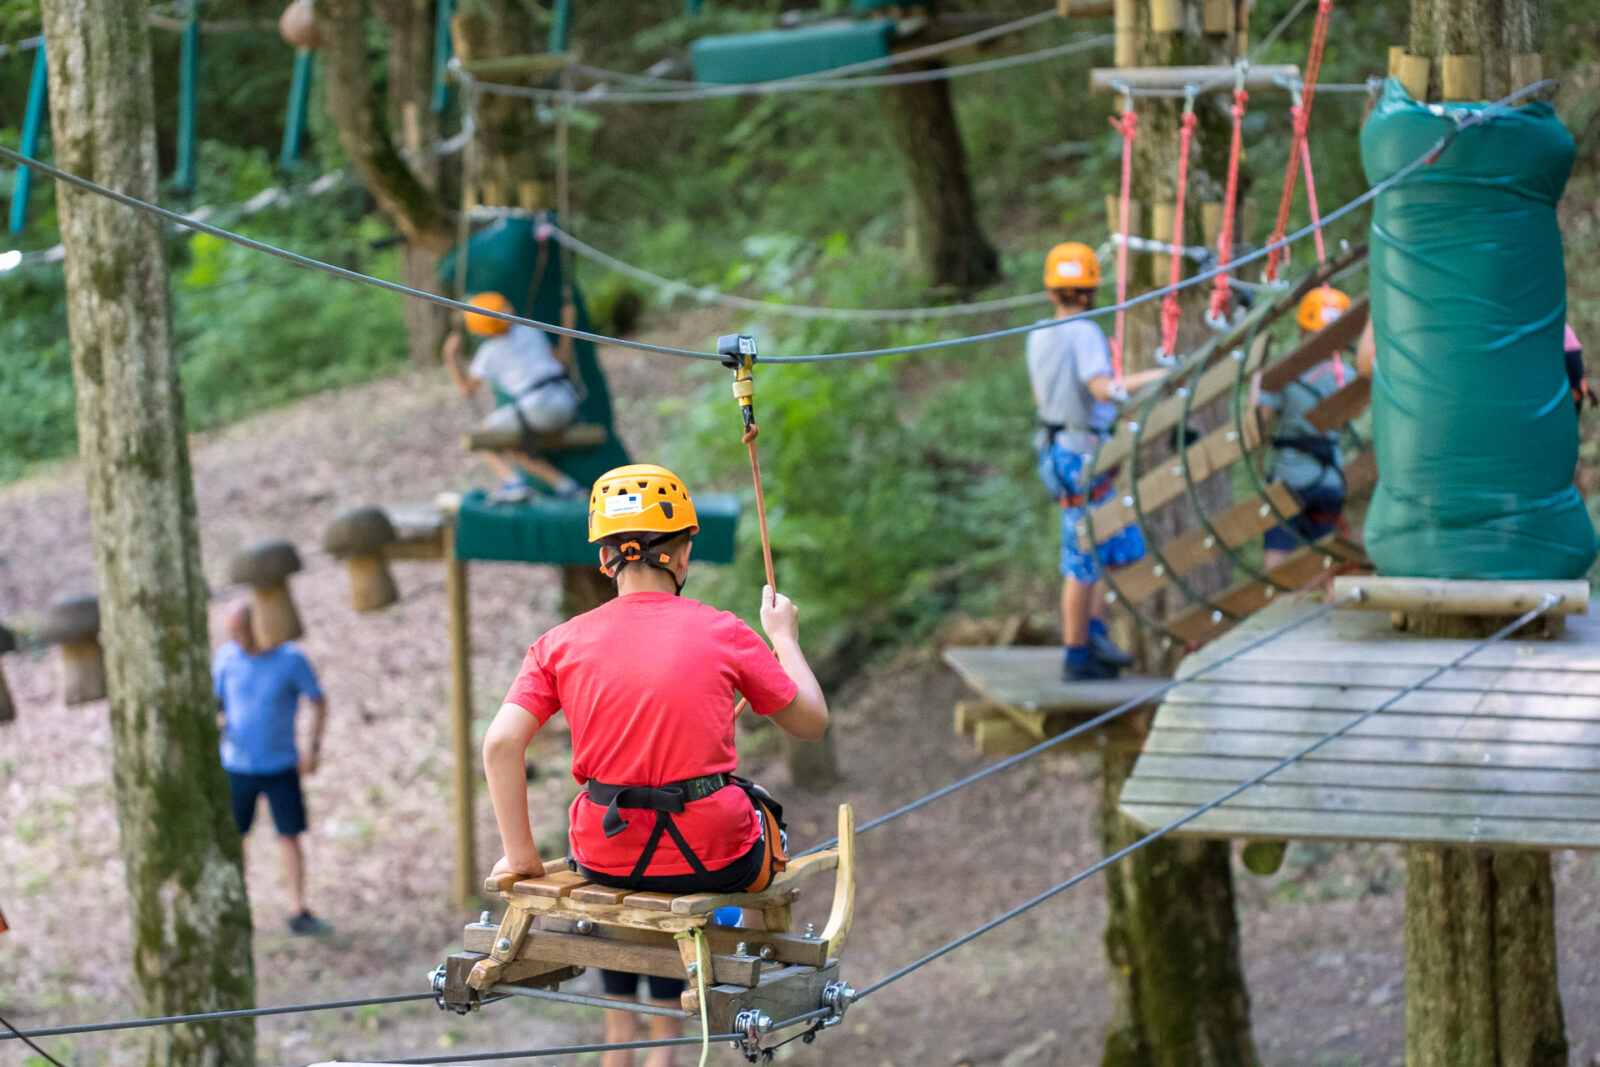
x=73, y=623
x=360, y=538
x=298, y=25
x=8, y=709
x=265, y=567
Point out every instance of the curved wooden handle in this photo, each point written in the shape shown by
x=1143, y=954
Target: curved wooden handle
x=843, y=913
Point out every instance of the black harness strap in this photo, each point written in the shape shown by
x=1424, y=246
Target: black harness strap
x=665, y=801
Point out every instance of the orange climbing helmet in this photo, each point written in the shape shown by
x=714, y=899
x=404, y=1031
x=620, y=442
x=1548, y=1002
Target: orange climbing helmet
x=484, y=325
x=1321, y=307
x=640, y=498
x=1071, y=266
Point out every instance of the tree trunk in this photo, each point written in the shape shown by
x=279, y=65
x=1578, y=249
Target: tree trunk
x=1172, y=940
x=1481, y=987
x=357, y=112
x=1493, y=30
x=1177, y=987
x=181, y=851
x=949, y=242
x=411, y=27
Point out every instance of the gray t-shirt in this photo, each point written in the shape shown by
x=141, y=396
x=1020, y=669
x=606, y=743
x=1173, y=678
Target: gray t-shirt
x=1061, y=362
x=515, y=361
x=1295, y=468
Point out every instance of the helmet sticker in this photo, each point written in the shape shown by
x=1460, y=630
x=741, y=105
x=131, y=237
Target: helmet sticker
x=624, y=504
x=1070, y=269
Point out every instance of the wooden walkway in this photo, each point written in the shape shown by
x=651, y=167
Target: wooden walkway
x=1024, y=701
x=1504, y=750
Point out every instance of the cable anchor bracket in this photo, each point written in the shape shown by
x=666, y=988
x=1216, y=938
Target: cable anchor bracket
x=738, y=352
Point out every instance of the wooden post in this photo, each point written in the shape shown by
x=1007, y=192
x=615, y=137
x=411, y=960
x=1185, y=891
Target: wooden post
x=455, y=591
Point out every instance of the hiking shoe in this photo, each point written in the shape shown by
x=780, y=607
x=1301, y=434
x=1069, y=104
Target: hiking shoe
x=308, y=925
x=1096, y=670
x=1102, y=648
x=511, y=490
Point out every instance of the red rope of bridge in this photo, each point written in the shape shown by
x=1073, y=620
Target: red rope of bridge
x=1302, y=120
x=1230, y=202
x=1170, y=313
x=1128, y=126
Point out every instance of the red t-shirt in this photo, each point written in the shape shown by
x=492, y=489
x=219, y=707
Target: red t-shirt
x=647, y=682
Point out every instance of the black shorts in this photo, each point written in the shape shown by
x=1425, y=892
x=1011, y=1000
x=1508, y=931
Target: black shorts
x=287, y=803
x=625, y=984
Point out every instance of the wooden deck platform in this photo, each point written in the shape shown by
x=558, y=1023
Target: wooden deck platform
x=1504, y=750
x=1024, y=701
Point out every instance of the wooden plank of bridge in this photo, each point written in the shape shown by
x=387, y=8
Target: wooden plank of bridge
x=1501, y=751
x=1025, y=701
x=1336, y=411
x=1212, y=453
x=1243, y=522
x=1337, y=335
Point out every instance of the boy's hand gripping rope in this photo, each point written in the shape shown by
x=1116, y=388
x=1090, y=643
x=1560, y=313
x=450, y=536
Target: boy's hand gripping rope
x=1217, y=316
x=1302, y=120
x=1170, y=312
x=1128, y=126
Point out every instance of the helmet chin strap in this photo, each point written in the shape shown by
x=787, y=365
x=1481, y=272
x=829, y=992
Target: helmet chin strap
x=643, y=551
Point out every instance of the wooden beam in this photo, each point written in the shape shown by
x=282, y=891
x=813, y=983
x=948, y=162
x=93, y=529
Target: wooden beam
x=1339, y=410
x=581, y=435
x=1205, y=79
x=1086, y=9
x=1337, y=335
x=1413, y=73
x=1441, y=596
x=517, y=68
x=465, y=769
x=1461, y=77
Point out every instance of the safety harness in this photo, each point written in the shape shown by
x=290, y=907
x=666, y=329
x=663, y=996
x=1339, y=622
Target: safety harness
x=674, y=798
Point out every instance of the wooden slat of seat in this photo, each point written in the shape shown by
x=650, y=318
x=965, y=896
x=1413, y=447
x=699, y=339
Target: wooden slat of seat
x=578, y=435
x=664, y=961
x=1337, y=411
x=1318, y=347
x=1334, y=826
x=1231, y=770
x=649, y=901
x=1272, y=794
x=598, y=894
x=552, y=885
x=782, y=885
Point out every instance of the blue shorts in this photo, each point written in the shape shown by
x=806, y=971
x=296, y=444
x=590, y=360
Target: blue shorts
x=1061, y=471
x=284, y=800
x=1318, y=517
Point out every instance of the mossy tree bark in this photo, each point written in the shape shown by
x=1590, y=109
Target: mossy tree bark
x=1177, y=987
x=405, y=192
x=1178, y=997
x=1493, y=30
x=1481, y=987
x=949, y=240
x=181, y=852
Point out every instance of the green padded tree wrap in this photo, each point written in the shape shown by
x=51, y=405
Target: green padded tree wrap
x=1473, y=423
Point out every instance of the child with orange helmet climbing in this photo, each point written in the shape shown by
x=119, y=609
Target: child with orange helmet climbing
x=1075, y=394
x=647, y=682
x=519, y=362
x=1308, y=460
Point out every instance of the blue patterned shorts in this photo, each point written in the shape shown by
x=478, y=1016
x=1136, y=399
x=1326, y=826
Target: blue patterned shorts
x=1061, y=471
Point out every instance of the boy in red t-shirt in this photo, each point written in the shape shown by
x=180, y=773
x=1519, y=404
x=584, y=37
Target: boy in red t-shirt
x=648, y=682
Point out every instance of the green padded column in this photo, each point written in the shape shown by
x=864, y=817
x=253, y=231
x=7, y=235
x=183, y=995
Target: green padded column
x=1473, y=425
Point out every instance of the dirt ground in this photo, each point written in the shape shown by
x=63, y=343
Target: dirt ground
x=1322, y=940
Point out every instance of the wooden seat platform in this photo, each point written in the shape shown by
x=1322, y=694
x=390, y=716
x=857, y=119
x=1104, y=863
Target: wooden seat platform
x=556, y=925
x=1024, y=700
x=1502, y=750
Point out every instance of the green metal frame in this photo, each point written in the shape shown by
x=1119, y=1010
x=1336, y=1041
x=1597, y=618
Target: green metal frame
x=294, y=122
x=32, y=123
x=188, y=103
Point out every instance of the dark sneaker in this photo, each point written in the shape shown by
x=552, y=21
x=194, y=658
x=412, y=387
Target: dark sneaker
x=1102, y=648
x=1093, y=671
x=308, y=925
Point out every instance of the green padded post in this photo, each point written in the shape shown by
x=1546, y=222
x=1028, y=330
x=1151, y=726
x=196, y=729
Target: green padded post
x=691, y=8
x=442, y=48
x=188, y=106
x=32, y=122
x=560, y=15
x=294, y=123
x=741, y=58
x=546, y=530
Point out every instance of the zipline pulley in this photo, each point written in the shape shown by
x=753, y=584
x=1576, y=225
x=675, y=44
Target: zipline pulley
x=738, y=352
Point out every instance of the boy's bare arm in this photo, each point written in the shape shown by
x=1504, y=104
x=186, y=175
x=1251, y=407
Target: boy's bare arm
x=312, y=759
x=505, y=748
x=806, y=716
